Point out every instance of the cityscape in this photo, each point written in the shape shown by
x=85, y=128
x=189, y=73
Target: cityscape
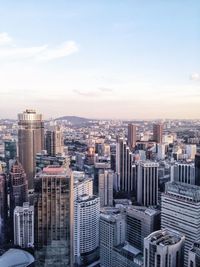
x=99, y=133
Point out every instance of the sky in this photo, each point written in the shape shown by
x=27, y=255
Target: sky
x=116, y=59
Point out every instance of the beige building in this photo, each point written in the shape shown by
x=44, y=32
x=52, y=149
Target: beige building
x=30, y=141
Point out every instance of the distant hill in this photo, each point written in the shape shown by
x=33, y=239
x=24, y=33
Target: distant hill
x=74, y=120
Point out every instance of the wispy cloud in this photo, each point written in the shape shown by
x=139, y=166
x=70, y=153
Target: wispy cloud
x=195, y=76
x=5, y=39
x=86, y=94
x=10, y=51
x=105, y=89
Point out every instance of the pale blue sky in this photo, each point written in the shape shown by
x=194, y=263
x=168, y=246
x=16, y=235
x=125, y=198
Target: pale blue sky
x=106, y=58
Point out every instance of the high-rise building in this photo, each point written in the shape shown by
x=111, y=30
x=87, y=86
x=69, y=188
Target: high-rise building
x=106, y=178
x=24, y=225
x=183, y=172
x=30, y=141
x=132, y=135
x=86, y=213
x=3, y=208
x=158, y=132
x=180, y=211
x=197, y=169
x=54, y=141
x=191, y=151
x=99, y=166
x=10, y=150
x=54, y=217
x=112, y=233
x=164, y=248
x=140, y=222
x=147, y=183
x=194, y=255
x=125, y=168
x=18, y=187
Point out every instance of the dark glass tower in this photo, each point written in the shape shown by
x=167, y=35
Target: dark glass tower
x=54, y=217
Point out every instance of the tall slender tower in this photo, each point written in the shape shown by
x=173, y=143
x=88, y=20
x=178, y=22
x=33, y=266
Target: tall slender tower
x=131, y=135
x=18, y=186
x=53, y=141
x=30, y=141
x=54, y=217
x=158, y=132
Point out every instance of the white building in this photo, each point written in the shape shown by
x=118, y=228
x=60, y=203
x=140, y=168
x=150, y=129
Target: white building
x=194, y=255
x=86, y=235
x=112, y=233
x=86, y=220
x=24, y=225
x=180, y=211
x=164, y=248
x=147, y=183
x=183, y=172
x=106, y=178
x=191, y=151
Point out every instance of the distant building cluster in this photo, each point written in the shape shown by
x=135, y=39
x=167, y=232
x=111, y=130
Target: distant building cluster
x=99, y=193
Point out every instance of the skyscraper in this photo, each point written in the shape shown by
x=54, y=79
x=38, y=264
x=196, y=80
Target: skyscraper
x=30, y=141
x=18, y=186
x=112, y=233
x=180, y=211
x=147, y=183
x=3, y=208
x=53, y=141
x=106, y=178
x=164, y=248
x=158, y=132
x=140, y=222
x=54, y=217
x=132, y=135
x=10, y=151
x=197, y=169
x=183, y=172
x=24, y=226
x=194, y=255
x=125, y=168
x=86, y=213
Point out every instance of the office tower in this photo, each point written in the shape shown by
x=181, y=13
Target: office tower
x=30, y=141
x=18, y=187
x=54, y=217
x=125, y=168
x=106, y=178
x=86, y=214
x=10, y=149
x=158, y=132
x=112, y=233
x=147, y=183
x=132, y=135
x=3, y=208
x=24, y=225
x=197, y=169
x=164, y=248
x=191, y=151
x=180, y=211
x=140, y=222
x=183, y=172
x=80, y=159
x=54, y=141
x=194, y=255
x=97, y=167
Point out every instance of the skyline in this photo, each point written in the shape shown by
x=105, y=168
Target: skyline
x=100, y=60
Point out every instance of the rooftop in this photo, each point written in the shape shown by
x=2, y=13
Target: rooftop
x=164, y=237
x=16, y=258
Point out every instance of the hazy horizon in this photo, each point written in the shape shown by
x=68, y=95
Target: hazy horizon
x=100, y=59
